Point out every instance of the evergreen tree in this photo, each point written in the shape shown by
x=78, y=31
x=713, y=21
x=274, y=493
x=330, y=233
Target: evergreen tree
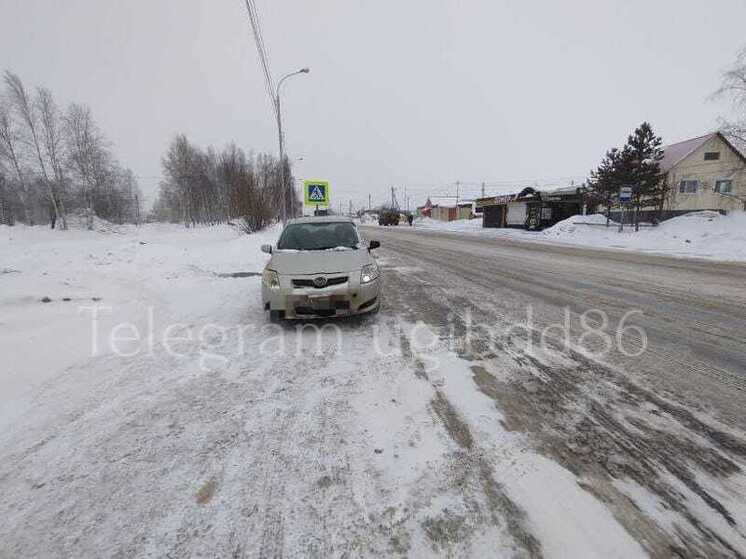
x=636, y=165
x=604, y=182
x=641, y=169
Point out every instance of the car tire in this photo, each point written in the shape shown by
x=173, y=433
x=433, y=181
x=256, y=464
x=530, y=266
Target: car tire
x=375, y=309
x=275, y=317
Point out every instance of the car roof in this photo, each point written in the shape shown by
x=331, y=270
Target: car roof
x=322, y=219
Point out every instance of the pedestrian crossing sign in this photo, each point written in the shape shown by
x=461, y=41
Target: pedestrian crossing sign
x=316, y=192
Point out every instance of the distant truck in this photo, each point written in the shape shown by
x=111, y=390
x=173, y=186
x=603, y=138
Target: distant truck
x=388, y=217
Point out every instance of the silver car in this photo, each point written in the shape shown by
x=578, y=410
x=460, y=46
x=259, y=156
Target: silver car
x=321, y=267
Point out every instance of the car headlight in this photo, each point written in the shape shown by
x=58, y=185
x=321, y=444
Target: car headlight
x=271, y=279
x=368, y=273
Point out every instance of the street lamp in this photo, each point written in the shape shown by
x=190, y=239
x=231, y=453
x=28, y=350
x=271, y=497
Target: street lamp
x=281, y=141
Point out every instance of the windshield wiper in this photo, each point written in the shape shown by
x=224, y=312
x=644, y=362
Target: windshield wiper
x=333, y=247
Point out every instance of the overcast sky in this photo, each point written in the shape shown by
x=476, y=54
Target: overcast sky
x=406, y=93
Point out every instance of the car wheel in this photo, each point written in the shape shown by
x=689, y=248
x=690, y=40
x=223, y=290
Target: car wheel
x=276, y=316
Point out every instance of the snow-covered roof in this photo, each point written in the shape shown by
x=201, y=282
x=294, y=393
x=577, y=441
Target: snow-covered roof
x=448, y=201
x=563, y=190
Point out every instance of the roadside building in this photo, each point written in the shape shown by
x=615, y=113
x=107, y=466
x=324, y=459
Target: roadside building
x=426, y=210
x=704, y=173
x=559, y=204
x=494, y=209
x=449, y=208
x=531, y=208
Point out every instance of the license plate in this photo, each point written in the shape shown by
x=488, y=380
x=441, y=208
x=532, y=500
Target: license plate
x=320, y=303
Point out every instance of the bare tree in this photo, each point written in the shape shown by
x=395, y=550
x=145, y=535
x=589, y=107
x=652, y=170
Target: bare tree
x=733, y=87
x=131, y=196
x=208, y=186
x=10, y=152
x=87, y=155
x=51, y=161
x=23, y=105
x=6, y=212
x=52, y=139
x=177, y=166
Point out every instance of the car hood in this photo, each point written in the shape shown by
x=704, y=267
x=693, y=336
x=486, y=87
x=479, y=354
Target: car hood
x=309, y=262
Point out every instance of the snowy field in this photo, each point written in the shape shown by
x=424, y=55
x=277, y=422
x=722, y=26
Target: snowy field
x=704, y=234
x=53, y=282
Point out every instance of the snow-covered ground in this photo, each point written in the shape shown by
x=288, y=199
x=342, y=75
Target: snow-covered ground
x=704, y=234
x=52, y=282
x=200, y=429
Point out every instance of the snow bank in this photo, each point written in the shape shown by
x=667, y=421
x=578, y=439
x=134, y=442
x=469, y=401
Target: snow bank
x=704, y=234
x=456, y=225
x=571, y=225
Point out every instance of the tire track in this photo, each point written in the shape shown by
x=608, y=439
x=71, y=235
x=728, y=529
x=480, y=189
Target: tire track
x=591, y=418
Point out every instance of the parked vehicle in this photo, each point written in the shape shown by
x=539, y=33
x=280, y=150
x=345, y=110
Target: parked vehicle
x=388, y=217
x=321, y=267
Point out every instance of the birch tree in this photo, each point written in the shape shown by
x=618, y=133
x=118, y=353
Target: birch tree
x=24, y=108
x=733, y=87
x=52, y=141
x=10, y=152
x=87, y=155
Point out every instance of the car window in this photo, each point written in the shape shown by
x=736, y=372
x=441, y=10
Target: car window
x=319, y=236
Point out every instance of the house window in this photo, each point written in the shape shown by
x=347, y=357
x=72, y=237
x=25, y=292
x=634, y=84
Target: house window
x=724, y=186
x=689, y=186
x=712, y=155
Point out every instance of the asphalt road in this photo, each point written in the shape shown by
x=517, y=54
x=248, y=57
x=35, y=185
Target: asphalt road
x=656, y=398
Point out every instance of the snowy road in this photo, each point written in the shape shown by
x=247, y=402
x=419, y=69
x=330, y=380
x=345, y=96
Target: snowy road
x=660, y=437
x=441, y=426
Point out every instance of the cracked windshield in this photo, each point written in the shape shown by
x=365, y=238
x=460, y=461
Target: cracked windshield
x=372, y=279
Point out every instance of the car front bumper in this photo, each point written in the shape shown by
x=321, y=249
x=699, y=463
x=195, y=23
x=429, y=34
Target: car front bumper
x=344, y=299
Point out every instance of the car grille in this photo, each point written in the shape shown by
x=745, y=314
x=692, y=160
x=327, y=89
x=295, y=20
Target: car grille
x=309, y=282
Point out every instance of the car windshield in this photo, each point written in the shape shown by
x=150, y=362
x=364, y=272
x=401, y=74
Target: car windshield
x=319, y=236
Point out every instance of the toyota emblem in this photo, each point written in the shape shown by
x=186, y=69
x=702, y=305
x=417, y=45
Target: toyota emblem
x=319, y=281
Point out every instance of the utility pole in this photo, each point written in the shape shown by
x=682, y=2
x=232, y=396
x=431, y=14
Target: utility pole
x=281, y=141
x=458, y=186
x=482, y=189
x=350, y=212
x=369, y=205
x=282, y=156
x=274, y=94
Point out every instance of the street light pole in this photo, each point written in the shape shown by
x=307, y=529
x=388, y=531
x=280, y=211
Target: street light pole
x=282, y=142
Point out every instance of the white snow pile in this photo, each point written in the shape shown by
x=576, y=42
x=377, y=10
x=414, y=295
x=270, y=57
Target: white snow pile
x=80, y=221
x=459, y=225
x=704, y=234
x=574, y=224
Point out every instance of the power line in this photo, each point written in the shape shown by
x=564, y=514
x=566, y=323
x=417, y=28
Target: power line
x=262, y=51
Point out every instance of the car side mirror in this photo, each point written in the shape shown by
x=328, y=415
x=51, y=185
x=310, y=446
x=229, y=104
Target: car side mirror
x=373, y=244
x=267, y=249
